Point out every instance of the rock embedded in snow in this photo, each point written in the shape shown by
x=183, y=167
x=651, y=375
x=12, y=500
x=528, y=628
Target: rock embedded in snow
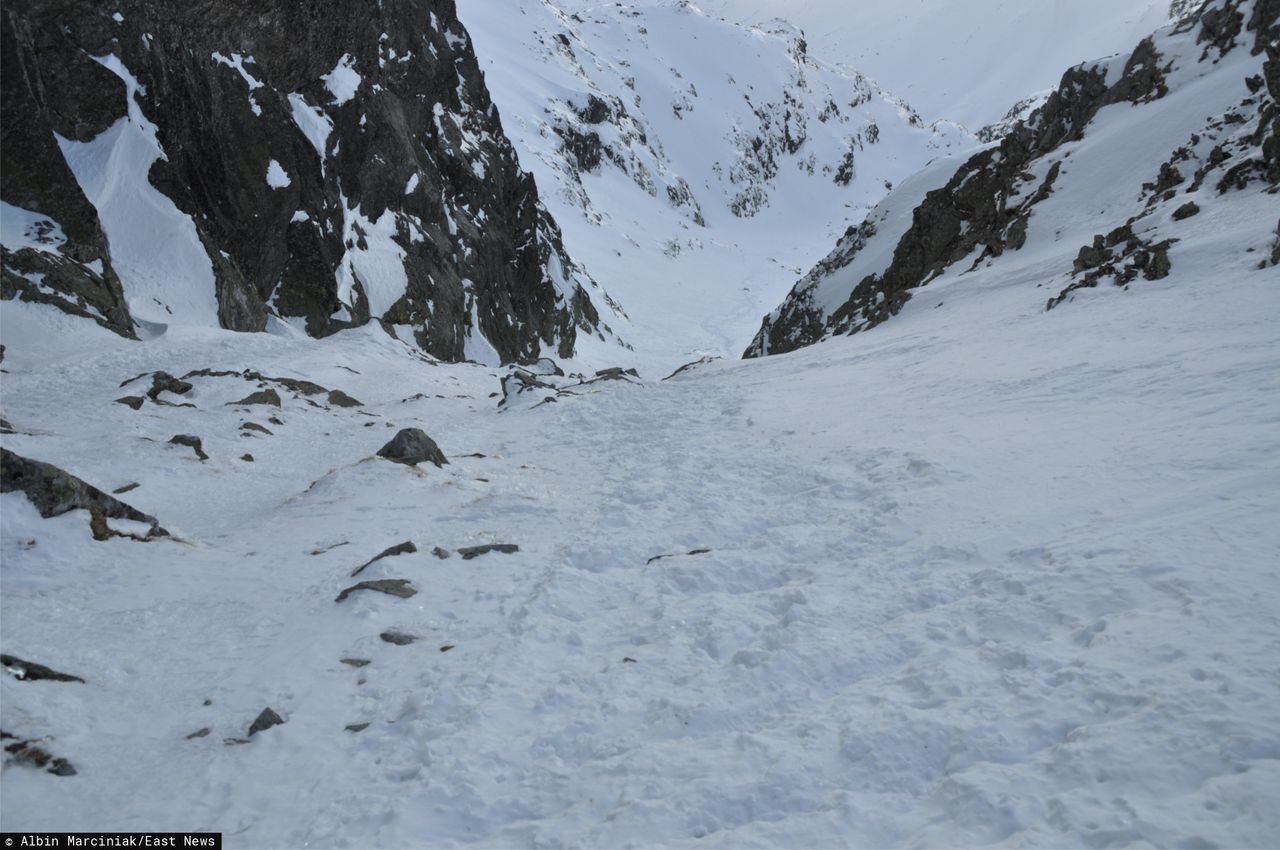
x=391, y=586
x=163, y=382
x=412, y=446
x=338, y=398
x=199, y=733
x=264, y=721
x=397, y=637
x=268, y=396
x=134, y=401
x=29, y=671
x=54, y=492
x=27, y=753
x=255, y=427
x=356, y=727
x=469, y=552
x=192, y=442
x=406, y=548
x=355, y=662
x=1187, y=210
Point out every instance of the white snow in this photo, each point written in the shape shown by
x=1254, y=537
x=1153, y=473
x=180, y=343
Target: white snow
x=313, y=123
x=21, y=228
x=343, y=81
x=411, y=185
x=236, y=61
x=378, y=267
x=161, y=262
x=277, y=177
x=298, y=216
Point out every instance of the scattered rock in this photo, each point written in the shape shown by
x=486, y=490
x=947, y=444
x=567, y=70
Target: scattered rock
x=469, y=552
x=134, y=401
x=329, y=548
x=688, y=366
x=338, y=398
x=391, y=586
x=270, y=397
x=355, y=662
x=247, y=458
x=616, y=373
x=28, y=671
x=126, y=488
x=398, y=637
x=191, y=442
x=275, y=420
x=199, y=733
x=266, y=720
x=405, y=548
x=27, y=753
x=233, y=742
x=448, y=647
x=629, y=660
x=1185, y=211
x=357, y=727
x=254, y=426
x=442, y=554
x=54, y=492
x=163, y=382
x=412, y=446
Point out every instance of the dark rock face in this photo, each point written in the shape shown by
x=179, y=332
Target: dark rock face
x=55, y=492
x=265, y=720
x=977, y=208
x=393, y=194
x=412, y=446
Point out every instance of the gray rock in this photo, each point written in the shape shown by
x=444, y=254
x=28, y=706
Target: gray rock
x=338, y=398
x=163, y=382
x=29, y=671
x=267, y=396
x=247, y=458
x=199, y=733
x=254, y=426
x=266, y=720
x=355, y=662
x=442, y=554
x=29, y=754
x=412, y=446
x=134, y=401
x=405, y=548
x=1186, y=211
x=398, y=637
x=356, y=727
x=191, y=442
x=126, y=488
x=469, y=552
x=54, y=492
x=391, y=586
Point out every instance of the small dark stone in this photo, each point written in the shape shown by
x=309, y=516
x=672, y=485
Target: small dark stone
x=629, y=660
x=405, y=548
x=254, y=426
x=126, y=488
x=355, y=662
x=1185, y=211
x=134, y=401
x=62, y=767
x=266, y=720
x=391, y=586
x=441, y=553
x=617, y=373
x=233, y=742
x=28, y=671
x=199, y=733
x=469, y=552
x=338, y=398
x=275, y=420
x=267, y=396
x=412, y=446
x=163, y=382
x=247, y=458
x=191, y=442
x=357, y=727
x=448, y=647
x=399, y=638
x=207, y=702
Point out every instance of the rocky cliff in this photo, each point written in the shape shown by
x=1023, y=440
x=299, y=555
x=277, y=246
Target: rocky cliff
x=238, y=164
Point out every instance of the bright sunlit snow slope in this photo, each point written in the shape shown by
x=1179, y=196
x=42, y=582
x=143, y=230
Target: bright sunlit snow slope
x=695, y=166
x=967, y=62
x=983, y=576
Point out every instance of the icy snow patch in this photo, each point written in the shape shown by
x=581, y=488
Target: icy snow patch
x=21, y=228
x=343, y=81
x=313, y=123
x=277, y=177
x=378, y=267
x=155, y=248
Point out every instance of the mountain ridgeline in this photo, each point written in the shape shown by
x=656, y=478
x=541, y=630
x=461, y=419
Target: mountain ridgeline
x=974, y=214
x=255, y=165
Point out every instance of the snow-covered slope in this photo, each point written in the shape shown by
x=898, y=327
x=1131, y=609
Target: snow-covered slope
x=1134, y=171
x=693, y=164
x=985, y=577
x=964, y=61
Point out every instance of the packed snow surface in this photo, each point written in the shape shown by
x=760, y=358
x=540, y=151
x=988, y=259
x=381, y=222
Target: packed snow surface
x=986, y=576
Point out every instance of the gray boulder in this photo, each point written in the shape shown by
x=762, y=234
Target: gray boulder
x=412, y=446
x=55, y=492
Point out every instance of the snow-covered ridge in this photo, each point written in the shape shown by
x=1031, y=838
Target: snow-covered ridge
x=1098, y=185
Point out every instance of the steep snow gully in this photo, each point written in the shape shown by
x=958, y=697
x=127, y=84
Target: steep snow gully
x=984, y=574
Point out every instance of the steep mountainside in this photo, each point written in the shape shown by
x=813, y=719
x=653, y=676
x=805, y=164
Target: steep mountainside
x=967, y=61
x=1131, y=165
x=244, y=165
x=690, y=161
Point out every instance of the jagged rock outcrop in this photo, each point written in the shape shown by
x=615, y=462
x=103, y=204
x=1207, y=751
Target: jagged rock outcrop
x=328, y=164
x=985, y=206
